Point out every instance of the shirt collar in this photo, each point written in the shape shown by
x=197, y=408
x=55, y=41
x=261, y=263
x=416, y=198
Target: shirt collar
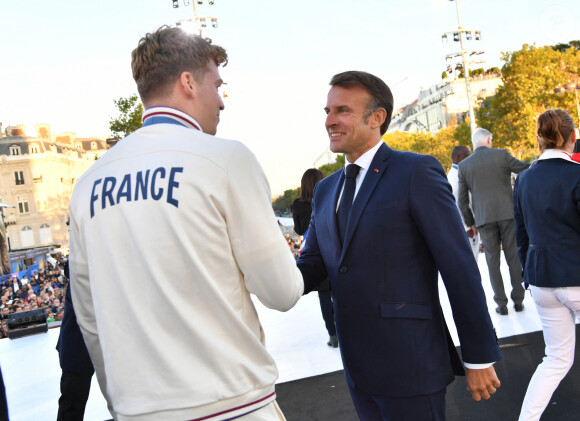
x=364, y=161
x=555, y=153
x=455, y=166
x=174, y=114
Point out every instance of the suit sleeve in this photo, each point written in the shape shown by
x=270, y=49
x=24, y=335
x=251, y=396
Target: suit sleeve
x=463, y=201
x=522, y=238
x=515, y=165
x=438, y=220
x=260, y=250
x=310, y=262
x=73, y=353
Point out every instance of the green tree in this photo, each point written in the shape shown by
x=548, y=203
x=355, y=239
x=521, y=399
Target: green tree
x=529, y=78
x=439, y=145
x=129, y=119
x=564, y=46
x=476, y=72
x=328, y=169
x=284, y=202
x=462, y=133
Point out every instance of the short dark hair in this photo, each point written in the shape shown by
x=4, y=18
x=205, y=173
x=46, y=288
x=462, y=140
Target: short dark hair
x=162, y=56
x=459, y=152
x=381, y=96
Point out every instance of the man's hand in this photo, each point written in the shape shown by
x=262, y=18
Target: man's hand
x=481, y=383
x=472, y=231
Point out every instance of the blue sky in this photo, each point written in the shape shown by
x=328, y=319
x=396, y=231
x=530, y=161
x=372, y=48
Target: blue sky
x=64, y=62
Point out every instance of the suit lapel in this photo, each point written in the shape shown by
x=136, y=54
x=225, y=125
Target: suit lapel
x=372, y=177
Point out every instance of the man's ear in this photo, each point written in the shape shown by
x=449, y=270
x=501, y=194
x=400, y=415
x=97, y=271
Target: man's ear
x=378, y=117
x=188, y=84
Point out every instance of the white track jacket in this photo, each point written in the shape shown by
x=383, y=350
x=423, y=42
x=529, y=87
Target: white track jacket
x=170, y=232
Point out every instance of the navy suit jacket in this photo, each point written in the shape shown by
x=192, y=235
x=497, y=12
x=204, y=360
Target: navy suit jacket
x=404, y=227
x=547, y=220
x=72, y=351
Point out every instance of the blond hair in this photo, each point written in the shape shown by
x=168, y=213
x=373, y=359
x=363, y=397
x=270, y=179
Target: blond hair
x=162, y=56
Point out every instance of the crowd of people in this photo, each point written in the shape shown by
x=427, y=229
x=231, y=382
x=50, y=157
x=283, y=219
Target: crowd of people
x=293, y=244
x=44, y=289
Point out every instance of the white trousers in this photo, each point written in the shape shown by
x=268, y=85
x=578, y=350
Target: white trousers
x=558, y=309
x=474, y=243
x=270, y=412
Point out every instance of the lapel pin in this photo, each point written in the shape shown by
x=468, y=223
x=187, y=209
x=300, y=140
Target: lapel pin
x=376, y=170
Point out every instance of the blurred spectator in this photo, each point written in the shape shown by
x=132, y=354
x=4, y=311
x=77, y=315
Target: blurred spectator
x=486, y=174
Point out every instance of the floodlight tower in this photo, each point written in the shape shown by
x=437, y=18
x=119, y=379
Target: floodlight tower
x=196, y=23
x=459, y=35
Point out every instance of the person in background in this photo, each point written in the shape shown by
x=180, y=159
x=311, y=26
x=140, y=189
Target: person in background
x=486, y=174
x=458, y=154
x=547, y=222
x=3, y=402
x=75, y=363
x=301, y=211
x=302, y=206
x=576, y=151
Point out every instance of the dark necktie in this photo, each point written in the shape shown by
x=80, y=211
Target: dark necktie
x=347, y=198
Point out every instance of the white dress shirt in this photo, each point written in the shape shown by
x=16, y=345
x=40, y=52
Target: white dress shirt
x=364, y=162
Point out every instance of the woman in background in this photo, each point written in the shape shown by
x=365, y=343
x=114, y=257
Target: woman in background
x=302, y=207
x=301, y=211
x=547, y=219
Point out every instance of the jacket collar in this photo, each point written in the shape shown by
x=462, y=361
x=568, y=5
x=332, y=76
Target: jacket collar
x=159, y=115
x=555, y=153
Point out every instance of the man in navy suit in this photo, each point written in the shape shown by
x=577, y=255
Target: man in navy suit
x=383, y=259
x=75, y=362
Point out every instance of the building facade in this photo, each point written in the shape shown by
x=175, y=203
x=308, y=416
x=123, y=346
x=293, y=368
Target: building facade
x=436, y=106
x=37, y=177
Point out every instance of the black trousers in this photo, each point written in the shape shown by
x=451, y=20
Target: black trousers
x=327, y=312
x=74, y=390
x=3, y=403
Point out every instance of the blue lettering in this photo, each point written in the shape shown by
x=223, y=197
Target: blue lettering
x=108, y=191
x=141, y=184
x=94, y=197
x=125, y=189
x=173, y=184
x=157, y=196
x=146, y=183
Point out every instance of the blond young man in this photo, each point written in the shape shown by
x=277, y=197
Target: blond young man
x=172, y=201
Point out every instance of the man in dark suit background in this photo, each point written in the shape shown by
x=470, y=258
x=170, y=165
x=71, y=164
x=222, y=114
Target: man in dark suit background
x=75, y=363
x=381, y=234
x=487, y=175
